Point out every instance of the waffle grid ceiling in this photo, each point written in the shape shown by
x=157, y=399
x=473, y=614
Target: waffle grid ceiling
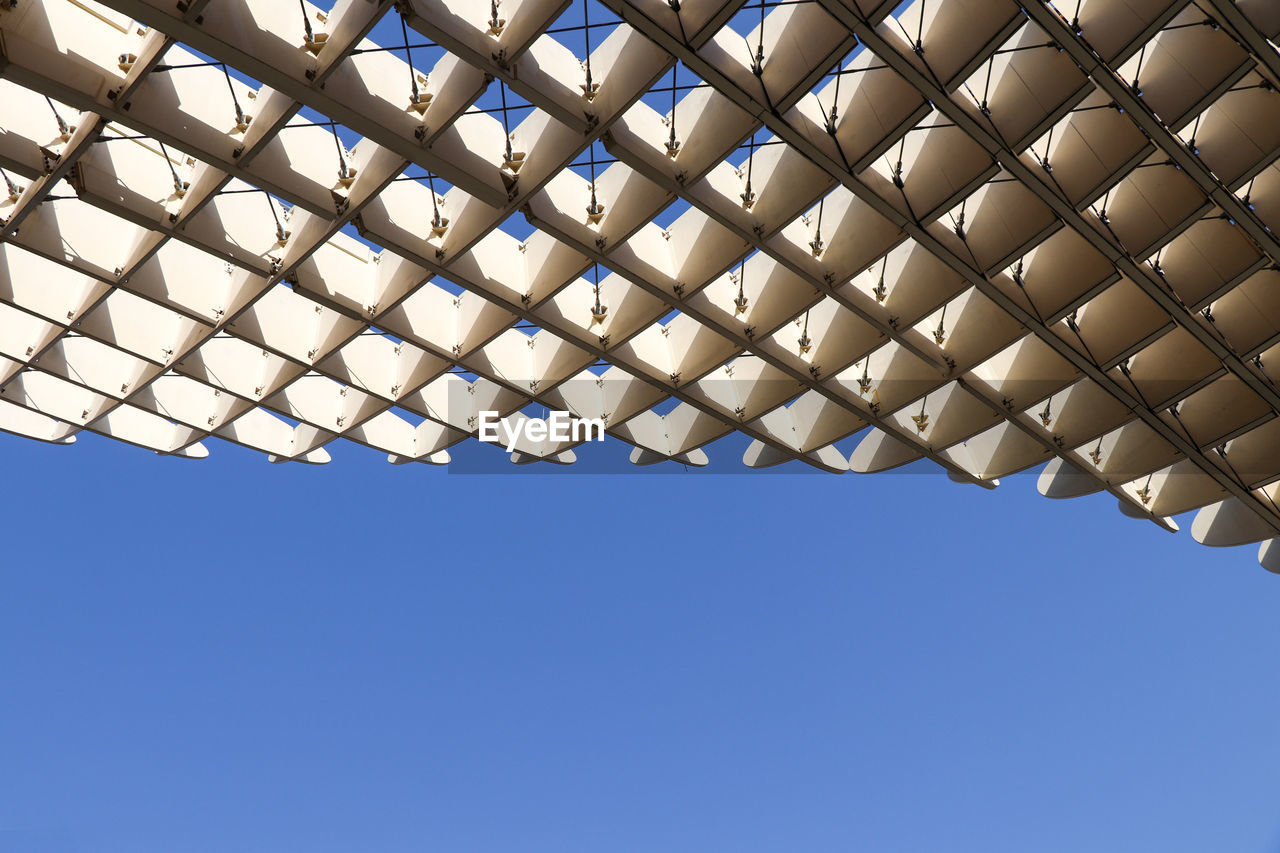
x=990, y=234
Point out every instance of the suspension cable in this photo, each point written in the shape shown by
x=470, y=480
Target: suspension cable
x=589, y=90
x=408, y=52
x=835, y=101
x=306, y=23
x=343, y=171
x=14, y=189
x=506, y=124
x=281, y=234
x=241, y=120
x=597, y=310
x=62, y=125
x=435, y=207
x=759, y=66
x=673, y=147
x=594, y=210
x=168, y=161
x=816, y=243
x=740, y=304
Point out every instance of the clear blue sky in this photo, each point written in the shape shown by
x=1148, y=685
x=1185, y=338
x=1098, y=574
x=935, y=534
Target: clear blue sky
x=202, y=657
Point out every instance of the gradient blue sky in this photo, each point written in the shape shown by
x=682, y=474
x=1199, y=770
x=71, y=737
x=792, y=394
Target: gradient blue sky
x=227, y=655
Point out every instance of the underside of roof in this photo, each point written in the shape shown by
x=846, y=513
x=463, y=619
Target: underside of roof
x=990, y=234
